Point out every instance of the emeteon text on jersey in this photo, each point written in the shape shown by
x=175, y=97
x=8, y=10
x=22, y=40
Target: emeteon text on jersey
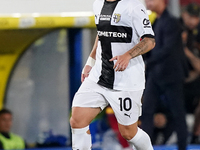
x=112, y=34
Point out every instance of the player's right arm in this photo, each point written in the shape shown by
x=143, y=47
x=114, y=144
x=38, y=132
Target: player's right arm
x=90, y=62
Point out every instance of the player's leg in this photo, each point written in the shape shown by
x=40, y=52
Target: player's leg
x=82, y=116
x=127, y=108
x=87, y=104
x=79, y=121
x=114, y=125
x=136, y=136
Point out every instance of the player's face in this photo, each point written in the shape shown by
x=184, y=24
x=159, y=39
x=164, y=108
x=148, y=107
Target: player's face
x=190, y=21
x=153, y=5
x=5, y=122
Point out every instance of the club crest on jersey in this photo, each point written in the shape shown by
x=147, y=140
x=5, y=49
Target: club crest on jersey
x=117, y=18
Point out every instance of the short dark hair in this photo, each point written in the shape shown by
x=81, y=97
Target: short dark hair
x=193, y=9
x=5, y=111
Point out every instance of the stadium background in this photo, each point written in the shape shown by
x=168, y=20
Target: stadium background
x=43, y=46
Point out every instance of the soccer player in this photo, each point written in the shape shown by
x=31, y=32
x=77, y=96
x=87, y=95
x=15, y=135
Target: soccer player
x=114, y=72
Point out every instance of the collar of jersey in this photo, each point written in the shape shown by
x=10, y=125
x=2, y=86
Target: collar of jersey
x=112, y=1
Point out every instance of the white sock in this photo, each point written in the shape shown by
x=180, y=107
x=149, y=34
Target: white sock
x=141, y=141
x=81, y=140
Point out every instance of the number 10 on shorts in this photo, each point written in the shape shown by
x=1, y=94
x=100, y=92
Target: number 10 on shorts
x=125, y=104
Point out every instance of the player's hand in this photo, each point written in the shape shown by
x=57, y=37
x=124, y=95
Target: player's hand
x=85, y=72
x=122, y=61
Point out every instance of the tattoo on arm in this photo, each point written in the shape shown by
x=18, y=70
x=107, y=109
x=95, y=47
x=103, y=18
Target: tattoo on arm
x=142, y=47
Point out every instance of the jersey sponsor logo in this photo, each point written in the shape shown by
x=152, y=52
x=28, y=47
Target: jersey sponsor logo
x=117, y=18
x=112, y=34
x=105, y=17
x=146, y=23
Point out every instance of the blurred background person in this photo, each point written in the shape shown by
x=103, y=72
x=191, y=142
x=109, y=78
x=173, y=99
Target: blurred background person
x=189, y=23
x=9, y=140
x=160, y=122
x=163, y=124
x=165, y=71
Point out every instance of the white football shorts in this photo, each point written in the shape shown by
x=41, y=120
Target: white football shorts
x=125, y=104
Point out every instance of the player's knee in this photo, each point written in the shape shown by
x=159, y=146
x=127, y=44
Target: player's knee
x=128, y=132
x=78, y=123
x=74, y=123
x=127, y=135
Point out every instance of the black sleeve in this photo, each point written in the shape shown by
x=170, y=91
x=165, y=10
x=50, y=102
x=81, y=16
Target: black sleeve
x=148, y=36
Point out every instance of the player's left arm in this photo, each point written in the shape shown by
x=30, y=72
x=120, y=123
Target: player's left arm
x=144, y=46
x=143, y=29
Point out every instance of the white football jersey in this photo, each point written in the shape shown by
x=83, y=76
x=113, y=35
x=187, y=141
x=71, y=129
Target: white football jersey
x=120, y=26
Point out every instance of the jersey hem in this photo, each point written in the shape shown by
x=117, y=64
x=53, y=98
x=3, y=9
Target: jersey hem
x=136, y=88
